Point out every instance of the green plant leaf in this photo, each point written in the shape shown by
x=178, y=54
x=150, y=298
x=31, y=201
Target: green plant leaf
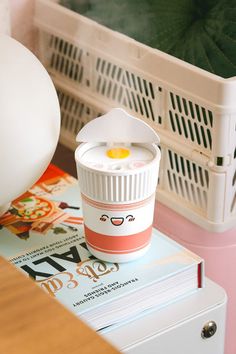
x=201, y=32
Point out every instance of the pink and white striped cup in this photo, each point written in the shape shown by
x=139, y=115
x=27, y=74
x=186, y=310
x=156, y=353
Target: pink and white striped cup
x=117, y=167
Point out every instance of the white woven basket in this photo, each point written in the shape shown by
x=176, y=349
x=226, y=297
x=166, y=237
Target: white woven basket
x=194, y=112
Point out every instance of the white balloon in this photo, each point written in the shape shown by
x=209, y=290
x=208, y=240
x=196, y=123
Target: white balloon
x=29, y=120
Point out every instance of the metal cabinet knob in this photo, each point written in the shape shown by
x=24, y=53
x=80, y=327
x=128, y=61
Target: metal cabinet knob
x=209, y=329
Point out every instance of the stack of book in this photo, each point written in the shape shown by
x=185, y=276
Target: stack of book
x=42, y=234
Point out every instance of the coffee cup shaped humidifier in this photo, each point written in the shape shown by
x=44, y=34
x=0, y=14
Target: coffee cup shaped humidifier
x=117, y=166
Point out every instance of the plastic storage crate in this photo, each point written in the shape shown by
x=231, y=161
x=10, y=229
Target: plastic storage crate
x=194, y=112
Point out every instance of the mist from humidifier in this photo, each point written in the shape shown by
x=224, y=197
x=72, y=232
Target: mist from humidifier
x=135, y=18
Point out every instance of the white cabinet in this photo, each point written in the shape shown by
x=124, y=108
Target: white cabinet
x=177, y=328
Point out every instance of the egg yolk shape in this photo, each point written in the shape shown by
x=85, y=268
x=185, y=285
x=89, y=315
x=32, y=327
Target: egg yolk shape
x=118, y=153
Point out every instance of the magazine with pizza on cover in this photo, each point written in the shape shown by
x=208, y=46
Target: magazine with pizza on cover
x=42, y=234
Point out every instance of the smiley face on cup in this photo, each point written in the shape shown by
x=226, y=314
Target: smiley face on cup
x=117, y=220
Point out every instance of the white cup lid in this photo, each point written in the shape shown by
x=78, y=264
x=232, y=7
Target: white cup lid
x=117, y=126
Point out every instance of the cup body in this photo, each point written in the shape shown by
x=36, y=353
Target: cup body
x=118, y=205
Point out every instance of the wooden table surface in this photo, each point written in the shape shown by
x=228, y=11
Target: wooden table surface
x=31, y=322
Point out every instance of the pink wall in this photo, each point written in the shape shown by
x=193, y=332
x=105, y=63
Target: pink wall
x=21, y=13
